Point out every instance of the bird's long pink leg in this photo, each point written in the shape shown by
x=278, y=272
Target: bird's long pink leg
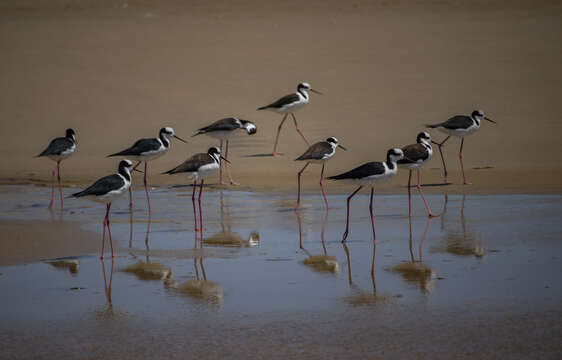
x=60, y=185
x=409, y=194
x=347, y=221
x=442, y=158
x=146, y=189
x=423, y=197
x=372, y=216
x=52, y=188
x=462, y=166
x=109, y=231
x=131, y=189
x=103, y=238
x=277, y=136
x=322, y=187
x=299, y=130
x=200, y=212
x=227, y=166
x=299, y=185
x=220, y=166
x=193, y=201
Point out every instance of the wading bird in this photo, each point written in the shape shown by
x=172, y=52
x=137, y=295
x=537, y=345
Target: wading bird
x=58, y=150
x=288, y=104
x=367, y=175
x=146, y=150
x=459, y=126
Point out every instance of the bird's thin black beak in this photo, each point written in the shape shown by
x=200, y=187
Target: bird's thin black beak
x=341, y=147
x=490, y=120
x=316, y=91
x=179, y=138
x=225, y=159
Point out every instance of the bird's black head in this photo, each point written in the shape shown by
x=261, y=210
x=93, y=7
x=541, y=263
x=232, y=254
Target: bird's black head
x=214, y=151
x=250, y=127
x=71, y=134
x=167, y=131
x=477, y=114
x=394, y=154
x=303, y=86
x=332, y=140
x=423, y=136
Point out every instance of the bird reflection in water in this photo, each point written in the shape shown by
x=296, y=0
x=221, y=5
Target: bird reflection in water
x=200, y=287
x=227, y=237
x=360, y=296
x=147, y=270
x=463, y=242
x=65, y=263
x=320, y=263
x=108, y=311
x=417, y=271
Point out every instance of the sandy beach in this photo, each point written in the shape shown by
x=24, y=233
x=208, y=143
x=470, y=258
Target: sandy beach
x=118, y=71
x=480, y=281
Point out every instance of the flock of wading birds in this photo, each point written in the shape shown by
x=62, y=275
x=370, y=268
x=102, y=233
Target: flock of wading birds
x=201, y=165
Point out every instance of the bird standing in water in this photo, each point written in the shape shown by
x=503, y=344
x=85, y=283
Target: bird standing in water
x=58, y=150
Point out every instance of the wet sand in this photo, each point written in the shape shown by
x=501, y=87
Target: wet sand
x=117, y=71
x=481, y=281
x=466, y=284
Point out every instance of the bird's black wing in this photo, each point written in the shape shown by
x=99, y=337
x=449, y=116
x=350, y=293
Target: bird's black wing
x=414, y=153
x=57, y=146
x=456, y=122
x=367, y=169
x=287, y=99
x=192, y=164
x=227, y=124
x=139, y=147
x=316, y=151
x=102, y=186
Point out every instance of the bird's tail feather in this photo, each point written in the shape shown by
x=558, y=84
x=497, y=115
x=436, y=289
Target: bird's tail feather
x=432, y=126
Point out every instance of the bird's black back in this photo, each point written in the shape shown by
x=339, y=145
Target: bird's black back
x=363, y=171
x=139, y=147
x=57, y=146
x=102, y=186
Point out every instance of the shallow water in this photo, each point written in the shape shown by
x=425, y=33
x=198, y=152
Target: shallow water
x=493, y=257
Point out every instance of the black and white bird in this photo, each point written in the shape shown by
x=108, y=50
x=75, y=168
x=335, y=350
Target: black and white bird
x=106, y=190
x=146, y=150
x=223, y=129
x=367, y=175
x=59, y=149
x=459, y=126
x=288, y=104
x=318, y=153
x=198, y=167
x=415, y=156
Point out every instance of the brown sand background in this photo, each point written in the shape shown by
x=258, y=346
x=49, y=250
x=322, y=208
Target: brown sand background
x=116, y=71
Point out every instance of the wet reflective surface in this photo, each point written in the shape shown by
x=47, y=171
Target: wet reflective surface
x=261, y=268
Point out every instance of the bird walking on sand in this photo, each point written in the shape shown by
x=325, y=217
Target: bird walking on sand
x=415, y=156
x=146, y=150
x=58, y=150
x=198, y=167
x=223, y=129
x=106, y=190
x=288, y=104
x=459, y=126
x=318, y=153
x=367, y=175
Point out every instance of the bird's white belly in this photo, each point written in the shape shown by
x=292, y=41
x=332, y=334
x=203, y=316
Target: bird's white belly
x=149, y=155
x=63, y=155
x=371, y=180
x=203, y=171
x=221, y=134
x=110, y=196
x=290, y=108
x=459, y=132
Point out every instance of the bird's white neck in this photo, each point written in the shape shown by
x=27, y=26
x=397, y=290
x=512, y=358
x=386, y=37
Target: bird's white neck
x=165, y=140
x=303, y=93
